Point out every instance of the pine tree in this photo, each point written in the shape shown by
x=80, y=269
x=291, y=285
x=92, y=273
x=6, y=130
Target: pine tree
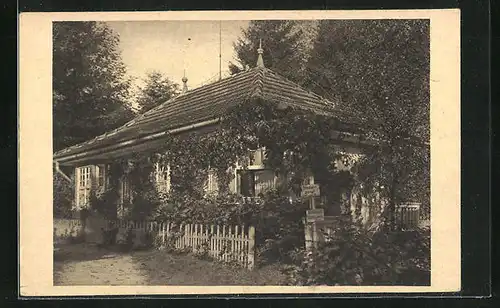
x=157, y=89
x=90, y=85
x=282, y=43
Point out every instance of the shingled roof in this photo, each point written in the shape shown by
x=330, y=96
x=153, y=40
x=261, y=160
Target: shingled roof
x=199, y=105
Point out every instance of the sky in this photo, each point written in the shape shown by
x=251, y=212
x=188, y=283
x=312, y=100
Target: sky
x=174, y=46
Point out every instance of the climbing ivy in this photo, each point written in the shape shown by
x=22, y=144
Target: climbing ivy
x=297, y=142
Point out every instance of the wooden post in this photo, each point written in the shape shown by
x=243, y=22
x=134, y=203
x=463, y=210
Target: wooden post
x=207, y=237
x=241, y=240
x=251, y=247
x=162, y=234
x=202, y=239
x=224, y=256
x=236, y=243
x=93, y=181
x=217, y=243
x=308, y=234
x=212, y=246
x=119, y=201
x=242, y=245
x=313, y=206
x=229, y=236
x=244, y=235
x=77, y=187
x=179, y=239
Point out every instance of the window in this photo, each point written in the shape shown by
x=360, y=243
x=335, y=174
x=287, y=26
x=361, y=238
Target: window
x=162, y=176
x=257, y=157
x=101, y=175
x=126, y=191
x=161, y=173
x=83, y=193
x=84, y=177
x=252, y=183
x=212, y=185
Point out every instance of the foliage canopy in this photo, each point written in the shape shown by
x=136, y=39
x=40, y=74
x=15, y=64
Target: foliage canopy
x=90, y=85
x=157, y=89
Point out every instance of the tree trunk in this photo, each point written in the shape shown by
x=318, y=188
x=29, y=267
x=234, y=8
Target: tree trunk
x=392, y=204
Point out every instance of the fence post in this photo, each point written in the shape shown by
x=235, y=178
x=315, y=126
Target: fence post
x=217, y=243
x=201, y=239
x=224, y=248
x=186, y=236
x=242, y=245
x=251, y=247
x=212, y=246
x=236, y=243
x=195, y=237
x=231, y=242
x=181, y=235
x=163, y=234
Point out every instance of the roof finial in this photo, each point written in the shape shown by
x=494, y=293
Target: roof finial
x=184, y=80
x=260, y=61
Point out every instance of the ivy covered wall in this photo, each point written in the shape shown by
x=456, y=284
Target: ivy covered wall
x=297, y=143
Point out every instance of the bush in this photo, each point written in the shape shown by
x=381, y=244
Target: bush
x=71, y=236
x=63, y=197
x=104, y=204
x=277, y=221
x=354, y=256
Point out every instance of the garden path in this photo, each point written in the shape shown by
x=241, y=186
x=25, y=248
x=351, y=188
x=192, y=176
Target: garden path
x=87, y=265
x=83, y=264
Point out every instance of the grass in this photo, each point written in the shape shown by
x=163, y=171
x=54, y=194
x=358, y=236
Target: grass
x=163, y=268
x=84, y=264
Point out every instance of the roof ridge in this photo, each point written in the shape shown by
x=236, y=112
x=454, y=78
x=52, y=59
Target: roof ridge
x=325, y=101
x=149, y=112
x=257, y=83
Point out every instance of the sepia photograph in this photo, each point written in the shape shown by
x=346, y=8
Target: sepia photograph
x=242, y=152
x=303, y=157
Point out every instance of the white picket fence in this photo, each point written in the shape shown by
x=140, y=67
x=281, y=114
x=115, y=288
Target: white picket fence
x=408, y=215
x=223, y=243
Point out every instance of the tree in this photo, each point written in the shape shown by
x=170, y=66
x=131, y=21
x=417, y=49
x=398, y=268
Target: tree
x=90, y=86
x=378, y=73
x=157, y=89
x=63, y=196
x=284, y=49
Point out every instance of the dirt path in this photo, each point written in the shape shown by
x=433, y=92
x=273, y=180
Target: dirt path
x=87, y=265
x=84, y=265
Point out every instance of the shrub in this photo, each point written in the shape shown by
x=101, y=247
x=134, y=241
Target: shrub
x=277, y=220
x=71, y=236
x=354, y=256
x=109, y=236
x=104, y=204
x=63, y=197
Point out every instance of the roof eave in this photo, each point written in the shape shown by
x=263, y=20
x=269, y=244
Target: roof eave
x=71, y=158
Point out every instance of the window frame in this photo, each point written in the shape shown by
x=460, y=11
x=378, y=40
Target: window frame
x=162, y=176
x=83, y=185
x=101, y=176
x=253, y=192
x=212, y=184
